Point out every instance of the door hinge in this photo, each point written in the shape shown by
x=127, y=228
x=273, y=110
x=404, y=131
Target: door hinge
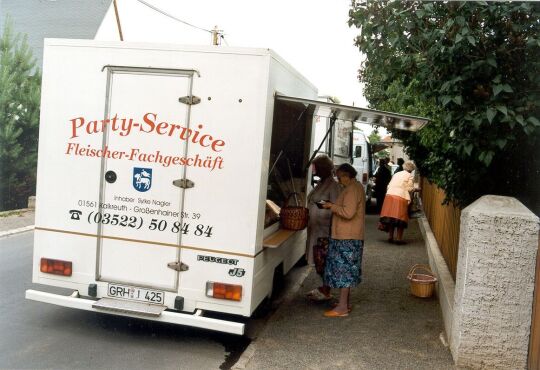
x=178, y=266
x=184, y=183
x=189, y=99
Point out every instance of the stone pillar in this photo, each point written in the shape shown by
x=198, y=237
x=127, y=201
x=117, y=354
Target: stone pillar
x=32, y=202
x=494, y=284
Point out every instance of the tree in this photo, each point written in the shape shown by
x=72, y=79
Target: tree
x=473, y=68
x=374, y=137
x=19, y=119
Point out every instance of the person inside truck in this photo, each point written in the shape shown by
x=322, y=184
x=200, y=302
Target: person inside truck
x=343, y=267
x=382, y=178
x=400, y=163
x=319, y=218
x=395, y=210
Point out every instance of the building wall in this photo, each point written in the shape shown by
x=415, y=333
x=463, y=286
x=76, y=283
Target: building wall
x=40, y=19
x=397, y=151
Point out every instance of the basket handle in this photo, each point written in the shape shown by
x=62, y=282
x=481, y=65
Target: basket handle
x=420, y=266
x=289, y=198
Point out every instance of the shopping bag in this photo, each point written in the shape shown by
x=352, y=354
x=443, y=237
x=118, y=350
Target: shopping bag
x=320, y=250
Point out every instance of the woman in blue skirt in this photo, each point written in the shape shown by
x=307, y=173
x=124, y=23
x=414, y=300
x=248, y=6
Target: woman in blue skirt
x=343, y=268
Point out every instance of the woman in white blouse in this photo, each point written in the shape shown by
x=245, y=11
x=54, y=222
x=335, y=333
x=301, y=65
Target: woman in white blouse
x=394, y=212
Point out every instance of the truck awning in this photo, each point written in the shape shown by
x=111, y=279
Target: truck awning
x=389, y=120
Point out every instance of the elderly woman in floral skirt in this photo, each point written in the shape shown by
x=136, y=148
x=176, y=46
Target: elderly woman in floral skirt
x=343, y=268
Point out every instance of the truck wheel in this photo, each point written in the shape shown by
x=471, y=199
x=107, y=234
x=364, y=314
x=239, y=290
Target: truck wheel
x=266, y=306
x=278, y=281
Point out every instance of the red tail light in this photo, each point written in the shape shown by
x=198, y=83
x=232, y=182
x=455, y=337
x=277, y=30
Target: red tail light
x=56, y=267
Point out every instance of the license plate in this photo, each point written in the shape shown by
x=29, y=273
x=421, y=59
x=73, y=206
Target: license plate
x=136, y=294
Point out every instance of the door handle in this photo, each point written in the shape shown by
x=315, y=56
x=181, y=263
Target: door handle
x=184, y=183
x=178, y=266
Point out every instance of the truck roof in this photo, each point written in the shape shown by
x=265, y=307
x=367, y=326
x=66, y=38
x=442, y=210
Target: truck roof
x=178, y=47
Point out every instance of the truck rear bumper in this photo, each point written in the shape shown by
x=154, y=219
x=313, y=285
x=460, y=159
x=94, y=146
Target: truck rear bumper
x=165, y=316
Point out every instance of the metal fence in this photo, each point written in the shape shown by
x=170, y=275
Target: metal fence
x=444, y=221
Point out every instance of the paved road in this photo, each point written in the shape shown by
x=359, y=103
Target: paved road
x=36, y=335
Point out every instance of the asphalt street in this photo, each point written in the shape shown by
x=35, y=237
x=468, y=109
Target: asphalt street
x=35, y=335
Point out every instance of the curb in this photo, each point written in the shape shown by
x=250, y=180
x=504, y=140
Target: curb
x=446, y=285
x=16, y=231
x=251, y=350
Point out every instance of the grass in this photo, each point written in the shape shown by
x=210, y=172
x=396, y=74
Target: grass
x=17, y=212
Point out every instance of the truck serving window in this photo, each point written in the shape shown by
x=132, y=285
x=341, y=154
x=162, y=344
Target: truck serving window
x=289, y=152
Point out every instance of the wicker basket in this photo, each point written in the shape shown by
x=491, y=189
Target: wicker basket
x=422, y=284
x=293, y=217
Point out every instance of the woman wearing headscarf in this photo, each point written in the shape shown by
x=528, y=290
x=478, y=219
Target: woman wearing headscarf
x=319, y=219
x=343, y=268
x=382, y=178
x=394, y=212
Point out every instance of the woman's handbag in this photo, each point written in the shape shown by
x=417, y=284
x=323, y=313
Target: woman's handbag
x=320, y=250
x=382, y=227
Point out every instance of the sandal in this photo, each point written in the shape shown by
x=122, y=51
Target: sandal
x=333, y=313
x=400, y=242
x=317, y=296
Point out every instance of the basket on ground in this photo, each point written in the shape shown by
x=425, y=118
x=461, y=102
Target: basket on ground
x=422, y=284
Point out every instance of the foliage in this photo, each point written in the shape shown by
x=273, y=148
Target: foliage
x=19, y=119
x=385, y=153
x=374, y=137
x=472, y=68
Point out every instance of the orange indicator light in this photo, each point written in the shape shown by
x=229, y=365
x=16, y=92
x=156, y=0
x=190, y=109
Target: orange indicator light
x=224, y=291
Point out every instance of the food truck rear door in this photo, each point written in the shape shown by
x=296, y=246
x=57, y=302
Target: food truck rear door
x=141, y=205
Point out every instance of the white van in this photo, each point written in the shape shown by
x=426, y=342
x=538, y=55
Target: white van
x=343, y=144
x=362, y=160
x=159, y=170
x=153, y=176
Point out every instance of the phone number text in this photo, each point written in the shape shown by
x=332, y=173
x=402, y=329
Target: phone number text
x=155, y=224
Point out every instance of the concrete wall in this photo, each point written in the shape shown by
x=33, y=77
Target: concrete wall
x=32, y=202
x=445, y=287
x=494, y=284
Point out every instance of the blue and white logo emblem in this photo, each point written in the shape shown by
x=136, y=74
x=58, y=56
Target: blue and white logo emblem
x=142, y=179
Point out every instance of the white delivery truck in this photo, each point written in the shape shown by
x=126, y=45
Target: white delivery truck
x=338, y=139
x=362, y=161
x=153, y=176
x=332, y=135
x=158, y=173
